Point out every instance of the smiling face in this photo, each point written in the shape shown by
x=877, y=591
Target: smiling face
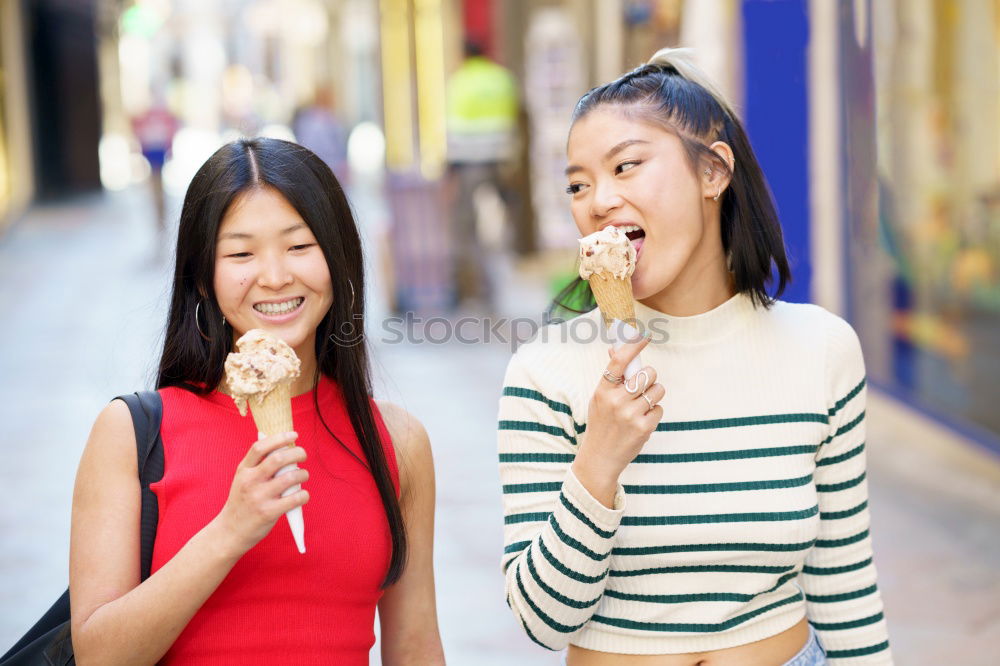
x=635, y=175
x=270, y=273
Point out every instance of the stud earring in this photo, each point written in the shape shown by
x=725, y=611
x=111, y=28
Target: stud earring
x=708, y=172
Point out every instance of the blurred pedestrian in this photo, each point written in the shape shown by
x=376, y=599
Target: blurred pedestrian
x=267, y=240
x=721, y=515
x=482, y=113
x=155, y=129
x=317, y=127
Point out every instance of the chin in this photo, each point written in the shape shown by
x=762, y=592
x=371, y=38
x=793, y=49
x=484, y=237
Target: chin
x=638, y=293
x=641, y=289
x=644, y=287
x=293, y=339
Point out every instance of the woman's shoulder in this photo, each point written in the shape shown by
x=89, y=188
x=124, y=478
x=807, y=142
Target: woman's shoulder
x=112, y=439
x=410, y=443
x=114, y=417
x=813, y=320
x=405, y=430
x=827, y=333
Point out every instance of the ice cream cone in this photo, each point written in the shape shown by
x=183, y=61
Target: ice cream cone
x=607, y=261
x=273, y=415
x=614, y=297
x=260, y=376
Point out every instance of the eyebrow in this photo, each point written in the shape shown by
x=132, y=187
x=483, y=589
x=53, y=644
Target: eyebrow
x=239, y=235
x=615, y=149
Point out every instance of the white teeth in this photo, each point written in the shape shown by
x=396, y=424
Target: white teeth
x=628, y=228
x=278, y=308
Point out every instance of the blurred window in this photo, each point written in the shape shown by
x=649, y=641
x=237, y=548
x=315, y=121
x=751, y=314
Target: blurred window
x=925, y=271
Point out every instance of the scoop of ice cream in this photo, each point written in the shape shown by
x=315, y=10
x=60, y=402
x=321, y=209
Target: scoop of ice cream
x=262, y=363
x=607, y=251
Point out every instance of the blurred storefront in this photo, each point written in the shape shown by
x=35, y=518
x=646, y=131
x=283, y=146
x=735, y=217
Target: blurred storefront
x=903, y=192
x=85, y=70
x=48, y=79
x=417, y=241
x=230, y=68
x=924, y=285
x=16, y=178
x=876, y=122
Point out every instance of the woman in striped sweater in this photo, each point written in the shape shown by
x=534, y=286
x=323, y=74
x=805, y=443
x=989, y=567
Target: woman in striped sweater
x=729, y=524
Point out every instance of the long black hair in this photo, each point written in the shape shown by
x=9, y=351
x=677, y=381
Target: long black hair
x=672, y=93
x=195, y=350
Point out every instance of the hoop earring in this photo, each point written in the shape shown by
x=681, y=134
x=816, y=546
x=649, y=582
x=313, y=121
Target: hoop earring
x=197, y=323
x=708, y=172
x=351, y=285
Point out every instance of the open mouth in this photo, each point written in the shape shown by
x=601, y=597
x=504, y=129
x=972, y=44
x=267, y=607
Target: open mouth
x=284, y=307
x=636, y=236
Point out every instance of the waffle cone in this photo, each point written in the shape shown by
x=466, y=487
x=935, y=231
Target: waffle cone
x=614, y=297
x=273, y=415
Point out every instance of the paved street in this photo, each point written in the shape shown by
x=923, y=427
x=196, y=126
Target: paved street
x=84, y=303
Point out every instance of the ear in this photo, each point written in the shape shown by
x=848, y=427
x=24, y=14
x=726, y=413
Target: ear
x=714, y=176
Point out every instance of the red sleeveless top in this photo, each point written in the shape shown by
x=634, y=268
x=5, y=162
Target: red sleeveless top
x=277, y=606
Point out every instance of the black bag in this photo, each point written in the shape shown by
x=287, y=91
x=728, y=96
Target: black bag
x=48, y=643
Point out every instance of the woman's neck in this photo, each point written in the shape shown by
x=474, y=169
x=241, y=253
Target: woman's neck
x=306, y=380
x=696, y=290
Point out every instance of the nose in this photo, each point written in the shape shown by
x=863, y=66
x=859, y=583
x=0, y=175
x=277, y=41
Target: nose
x=274, y=274
x=606, y=199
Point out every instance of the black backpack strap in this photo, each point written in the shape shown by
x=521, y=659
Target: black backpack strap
x=147, y=413
x=48, y=635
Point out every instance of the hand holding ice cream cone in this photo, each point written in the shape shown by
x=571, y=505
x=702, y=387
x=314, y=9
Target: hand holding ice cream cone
x=260, y=375
x=607, y=261
x=624, y=409
x=259, y=496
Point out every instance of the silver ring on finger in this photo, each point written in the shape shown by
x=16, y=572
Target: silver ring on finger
x=648, y=401
x=634, y=388
x=614, y=379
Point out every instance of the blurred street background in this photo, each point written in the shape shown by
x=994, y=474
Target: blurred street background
x=877, y=123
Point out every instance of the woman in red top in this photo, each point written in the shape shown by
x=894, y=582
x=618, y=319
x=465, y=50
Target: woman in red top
x=267, y=240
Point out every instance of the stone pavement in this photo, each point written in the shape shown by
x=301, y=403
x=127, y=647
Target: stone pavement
x=84, y=306
x=84, y=301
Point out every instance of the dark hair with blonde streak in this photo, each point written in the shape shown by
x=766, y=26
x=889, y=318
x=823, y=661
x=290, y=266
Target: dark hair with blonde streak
x=670, y=92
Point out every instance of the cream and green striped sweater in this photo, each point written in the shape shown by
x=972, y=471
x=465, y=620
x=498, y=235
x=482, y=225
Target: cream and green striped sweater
x=747, y=508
